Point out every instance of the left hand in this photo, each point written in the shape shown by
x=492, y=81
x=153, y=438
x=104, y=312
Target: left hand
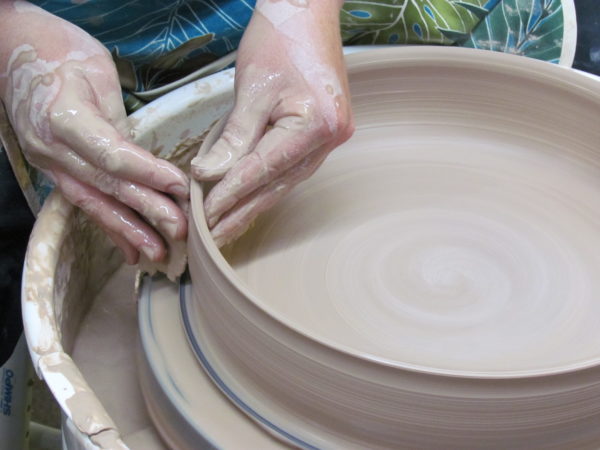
x=291, y=109
x=62, y=95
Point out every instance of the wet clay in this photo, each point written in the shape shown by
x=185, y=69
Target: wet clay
x=451, y=232
x=439, y=269
x=109, y=362
x=105, y=353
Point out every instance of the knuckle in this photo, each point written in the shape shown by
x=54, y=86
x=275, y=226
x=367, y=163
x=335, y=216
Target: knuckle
x=346, y=131
x=257, y=168
x=60, y=122
x=325, y=130
x=154, y=176
x=305, y=164
x=337, y=126
x=109, y=159
x=86, y=204
x=323, y=125
x=107, y=183
x=309, y=108
x=297, y=113
x=57, y=119
x=231, y=135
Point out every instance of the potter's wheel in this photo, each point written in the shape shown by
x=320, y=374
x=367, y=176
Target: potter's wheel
x=184, y=403
x=434, y=284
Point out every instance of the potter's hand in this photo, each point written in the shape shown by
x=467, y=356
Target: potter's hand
x=62, y=95
x=291, y=109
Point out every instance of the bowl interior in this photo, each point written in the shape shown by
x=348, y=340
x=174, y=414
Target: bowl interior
x=457, y=231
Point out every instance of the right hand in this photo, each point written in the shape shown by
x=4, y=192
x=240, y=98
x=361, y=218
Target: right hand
x=71, y=124
x=292, y=108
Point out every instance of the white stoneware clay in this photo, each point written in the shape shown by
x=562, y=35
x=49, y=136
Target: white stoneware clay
x=435, y=283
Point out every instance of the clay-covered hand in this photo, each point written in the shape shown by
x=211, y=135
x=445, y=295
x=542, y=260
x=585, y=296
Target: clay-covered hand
x=292, y=107
x=62, y=94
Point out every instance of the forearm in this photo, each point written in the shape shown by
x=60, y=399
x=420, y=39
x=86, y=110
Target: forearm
x=291, y=17
x=322, y=8
x=28, y=33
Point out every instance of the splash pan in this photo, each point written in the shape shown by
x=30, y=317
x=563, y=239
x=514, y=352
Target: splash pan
x=436, y=281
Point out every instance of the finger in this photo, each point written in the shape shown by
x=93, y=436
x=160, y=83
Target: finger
x=287, y=143
x=158, y=209
x=113, y=109
x=82, y=128
x=129, y=252
x=237, y=221
x=244, y=127
x=112, y=216
x=107, y=97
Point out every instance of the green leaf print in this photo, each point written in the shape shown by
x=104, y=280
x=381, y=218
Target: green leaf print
x=410, y=21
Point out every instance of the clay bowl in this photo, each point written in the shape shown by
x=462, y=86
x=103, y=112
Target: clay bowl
x=435, y=283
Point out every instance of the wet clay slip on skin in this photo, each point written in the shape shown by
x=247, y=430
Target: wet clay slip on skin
x=437, y=281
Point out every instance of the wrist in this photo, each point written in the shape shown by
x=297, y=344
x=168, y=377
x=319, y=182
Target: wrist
x=290, y=8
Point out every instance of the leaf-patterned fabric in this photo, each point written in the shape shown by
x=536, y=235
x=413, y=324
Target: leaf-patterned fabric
x=412, y=21
x=154, y=42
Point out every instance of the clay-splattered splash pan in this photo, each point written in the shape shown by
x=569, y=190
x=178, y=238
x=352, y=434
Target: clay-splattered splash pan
x=437, y=282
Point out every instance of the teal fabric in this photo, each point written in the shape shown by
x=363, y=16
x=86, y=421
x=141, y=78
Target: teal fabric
x=445, y=22
x=157, y=41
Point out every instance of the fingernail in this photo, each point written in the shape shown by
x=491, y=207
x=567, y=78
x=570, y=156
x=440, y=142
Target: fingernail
x=212, y=221
x=171, y=228
x=223, y=235
x=219, y=242
x=208, y=214
x=180, y=190
x=152, y=253
x=212, y=164
x=218, y=237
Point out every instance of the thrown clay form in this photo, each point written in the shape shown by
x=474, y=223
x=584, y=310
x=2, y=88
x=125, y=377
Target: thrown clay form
x=436, y=281
x=188, y=409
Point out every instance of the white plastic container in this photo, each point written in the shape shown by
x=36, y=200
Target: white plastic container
x=15, y=397
x=69, y=259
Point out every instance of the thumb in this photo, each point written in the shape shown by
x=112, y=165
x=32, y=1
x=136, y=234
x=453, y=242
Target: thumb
x=243, y=129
